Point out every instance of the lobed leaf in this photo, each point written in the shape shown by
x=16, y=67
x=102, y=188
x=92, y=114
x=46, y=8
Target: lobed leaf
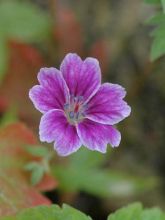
x=158, y=19
x=153, y=214
x=53, y=212
x=158, y=44
x=133, y=211
x=16, y=192
x=38, y=151
x=130, y=212
x=158, y=48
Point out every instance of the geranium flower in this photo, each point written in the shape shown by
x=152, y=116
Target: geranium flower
x=77, y=109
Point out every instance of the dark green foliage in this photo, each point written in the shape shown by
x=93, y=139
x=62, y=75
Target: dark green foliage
x=85, y=173
x=158, y=44
x=134, y=211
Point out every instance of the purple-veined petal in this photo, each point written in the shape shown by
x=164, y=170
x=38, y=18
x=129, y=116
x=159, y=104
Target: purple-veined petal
x=108, y=106
x=82, y=77
x=55, y=127
x=53, y=92
x=96, y=136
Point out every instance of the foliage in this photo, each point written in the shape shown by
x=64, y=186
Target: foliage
x=123, y=52
x=3, y=56
x=40, y=168
x=10, y=116
x=20, y=21
x=163, y=5
x=86, y=169
x=134, y=211
x=53, y=212
x=131, y=212
x=16, y=190
x=152, y=1
x=25, y=61
x=158, y=45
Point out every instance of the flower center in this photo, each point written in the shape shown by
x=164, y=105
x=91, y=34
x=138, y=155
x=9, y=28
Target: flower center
x=75, y=110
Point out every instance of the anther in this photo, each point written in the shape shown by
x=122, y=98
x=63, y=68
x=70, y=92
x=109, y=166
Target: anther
x=66, y=106
x=71, y=115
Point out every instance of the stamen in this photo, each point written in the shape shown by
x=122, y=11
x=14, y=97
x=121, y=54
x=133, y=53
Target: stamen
x=77, y=115
x=83, y=114
x=75, y=99
x=66, y=106
x=71, y=115
x=80, y=98
x=76, y=108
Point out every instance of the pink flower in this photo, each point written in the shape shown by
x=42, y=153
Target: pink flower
x=77, y=109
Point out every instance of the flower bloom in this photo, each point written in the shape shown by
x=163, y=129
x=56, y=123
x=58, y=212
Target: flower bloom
x=77, y=109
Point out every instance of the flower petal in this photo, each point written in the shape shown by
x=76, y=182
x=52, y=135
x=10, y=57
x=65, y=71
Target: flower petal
x=52, y=93
x=107, y=106
x=54, y=127
x=82, y=77
x=96, y=136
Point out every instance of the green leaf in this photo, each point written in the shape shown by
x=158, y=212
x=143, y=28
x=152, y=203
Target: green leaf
x=72, y=214
x=10, y=116
x=23, y=21
x=3, y=57
x=86, y=169
x=131, y=212
x=158, y=19
x=37, y=171
x=99, y=181
x=153, y=214
x=158, y=48
x=31, y=166
x=152, y=1
x=38, y=151
x=85, y=158
x=159, y=32
x=158, y=44
x=8, y=218
x=53, y=212
x=163, y=5
x=37, y=174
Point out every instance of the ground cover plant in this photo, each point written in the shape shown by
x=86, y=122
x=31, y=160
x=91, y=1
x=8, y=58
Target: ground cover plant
x=82, y=110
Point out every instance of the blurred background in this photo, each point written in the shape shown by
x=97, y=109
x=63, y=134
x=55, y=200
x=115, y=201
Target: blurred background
x=39, y=33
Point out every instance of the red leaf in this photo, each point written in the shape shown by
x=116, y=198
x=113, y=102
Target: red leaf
x=68, y=32
x=16, y=191
x=25, y=62
x=48, y=183
x=100, y=51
